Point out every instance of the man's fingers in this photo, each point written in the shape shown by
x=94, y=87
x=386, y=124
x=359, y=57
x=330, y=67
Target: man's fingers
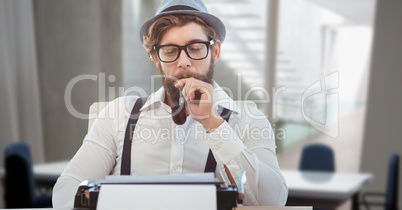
x=194, y=90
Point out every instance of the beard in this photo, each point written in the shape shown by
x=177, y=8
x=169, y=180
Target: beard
x=168, y=81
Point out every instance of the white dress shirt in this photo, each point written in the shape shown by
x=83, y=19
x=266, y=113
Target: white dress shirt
x=245, y=143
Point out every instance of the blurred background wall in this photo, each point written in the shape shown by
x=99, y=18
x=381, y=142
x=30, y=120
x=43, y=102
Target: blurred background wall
x=46, y=44
x=383, y=116
x=20, y=107
x=75, y=38
x=322, y=71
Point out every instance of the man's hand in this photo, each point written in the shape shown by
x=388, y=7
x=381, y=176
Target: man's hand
x=199, y=99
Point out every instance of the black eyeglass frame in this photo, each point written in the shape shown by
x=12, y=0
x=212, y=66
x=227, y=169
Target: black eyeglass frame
x=208, y=44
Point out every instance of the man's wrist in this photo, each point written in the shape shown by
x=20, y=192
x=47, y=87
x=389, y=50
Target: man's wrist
x=212, y=123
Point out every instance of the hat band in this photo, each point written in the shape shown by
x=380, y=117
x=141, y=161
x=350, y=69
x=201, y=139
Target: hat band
x=178, y=7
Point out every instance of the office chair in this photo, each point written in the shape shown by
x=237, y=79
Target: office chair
x=20, y=187
x=317, y=157
x=391, y=193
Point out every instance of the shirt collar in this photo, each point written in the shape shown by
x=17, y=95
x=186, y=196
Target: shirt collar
x=221, y=98
x=155, y=98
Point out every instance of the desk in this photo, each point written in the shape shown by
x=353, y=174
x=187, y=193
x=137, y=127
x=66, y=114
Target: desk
x=274, y=208
x=238, y=208
x=328, y=190
x=46, y=171
x=322, y=189
x=46, y=175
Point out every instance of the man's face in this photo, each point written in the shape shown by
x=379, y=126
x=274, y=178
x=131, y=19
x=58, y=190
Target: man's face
x=185, y=67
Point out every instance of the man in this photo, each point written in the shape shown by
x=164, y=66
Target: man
x=181, y=127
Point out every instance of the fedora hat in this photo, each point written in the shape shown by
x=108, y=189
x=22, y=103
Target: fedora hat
x=185, y=7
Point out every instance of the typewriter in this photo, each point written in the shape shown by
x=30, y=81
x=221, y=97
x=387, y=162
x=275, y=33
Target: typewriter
x=228, y=196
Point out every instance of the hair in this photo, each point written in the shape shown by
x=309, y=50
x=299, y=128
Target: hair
x=164, y=23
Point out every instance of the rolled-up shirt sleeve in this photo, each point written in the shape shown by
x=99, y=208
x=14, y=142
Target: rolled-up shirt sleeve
x=247, y=143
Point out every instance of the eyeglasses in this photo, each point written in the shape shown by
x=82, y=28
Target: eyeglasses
x=171, y=52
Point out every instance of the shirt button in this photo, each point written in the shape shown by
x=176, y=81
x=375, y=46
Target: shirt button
x=175, y=168
x=218, y=146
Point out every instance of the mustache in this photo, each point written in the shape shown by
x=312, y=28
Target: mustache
x=184, y=75
x=170, y=80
